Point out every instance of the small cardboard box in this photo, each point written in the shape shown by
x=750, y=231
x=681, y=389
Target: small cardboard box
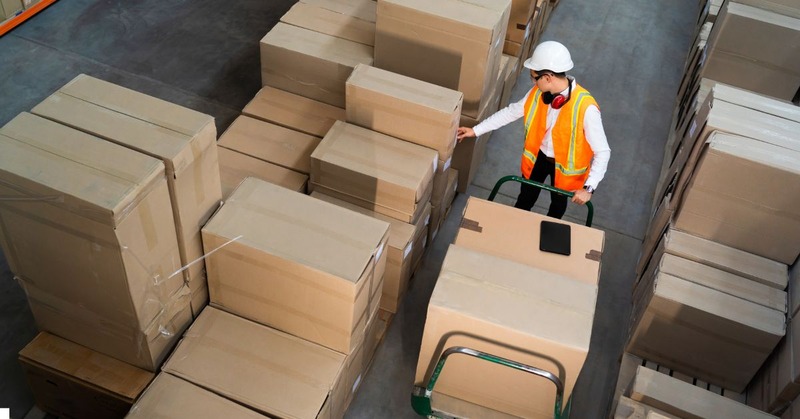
x=234, y=167
x=293, y=111
x=296, y=263
x=271, y=143
x=384, y=174
x=309, y=63
x=92, y=239
x=70, y=380
x=509, y=310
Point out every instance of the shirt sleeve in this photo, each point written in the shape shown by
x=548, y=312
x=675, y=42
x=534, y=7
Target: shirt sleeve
x=502, y=117
x=596, y=137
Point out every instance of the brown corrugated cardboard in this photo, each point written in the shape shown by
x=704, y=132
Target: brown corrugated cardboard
x=9, y=8
x=271, y=143
x=780, y=376
x=293, y=111
x=299, y=265
x=234, y=167
x=631, y=409
x=169, y=397
x=440, y=179
x=520, y=20
x=450, y=43
x=261, y=368
x=184, y=139
x=405, y=108
x=329, y=22
x=756, y=268
x=508, y=64
x=737, y=197
x=92, y=239
x=439, y=212
x=387, y=175
x=69, y=380
x=705, y=333
x=685, y=400
x=751, y=100
x=362, y=9
x=309, y=63
x=784, y=7
x=403, y=238
x=510, y=310
x=513, y=234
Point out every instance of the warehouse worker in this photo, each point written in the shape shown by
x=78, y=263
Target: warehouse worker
x=564, y=136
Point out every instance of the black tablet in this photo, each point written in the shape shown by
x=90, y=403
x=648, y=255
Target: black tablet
x=555, y=238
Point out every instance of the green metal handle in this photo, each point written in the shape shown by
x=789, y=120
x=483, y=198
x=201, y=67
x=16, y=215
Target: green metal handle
x=421, y=398
x=520, y=179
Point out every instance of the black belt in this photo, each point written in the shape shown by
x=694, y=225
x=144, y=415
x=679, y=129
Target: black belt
x=550, y=159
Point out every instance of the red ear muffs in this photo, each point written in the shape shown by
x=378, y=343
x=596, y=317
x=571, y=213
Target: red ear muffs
x=556, y=101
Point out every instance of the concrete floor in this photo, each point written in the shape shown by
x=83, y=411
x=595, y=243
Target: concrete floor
x=204, y=55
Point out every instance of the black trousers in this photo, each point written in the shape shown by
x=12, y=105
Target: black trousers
x=528, y=195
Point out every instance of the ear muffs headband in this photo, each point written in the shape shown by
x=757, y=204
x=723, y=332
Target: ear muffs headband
x=557, y=101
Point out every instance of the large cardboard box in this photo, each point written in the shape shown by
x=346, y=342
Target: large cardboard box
x=330, y=22
x=169, y=397
x=184, y=139
x=293, y=111
x=403, y=245
x=9, y=8
x=379, y=172
x=92, y=238
x=260, y=368
x=409, y=109
x=271, y=143
x=737, y=197
x=439, y=213
x=452, y=43
x=362, y=9
x=703, y=332
x=309, y=63
x=784, y=7
x=510, y=310
x=520, y=19
x=234, y=167
x=69, y=380
x=684, y=400
x=513, y=234
x=296, y=263
x=778, y=382
x=508, y=65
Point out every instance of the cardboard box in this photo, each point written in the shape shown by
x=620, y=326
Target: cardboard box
x=793, y=289
x=330, y=22
x=631, y=409
x=736, y=197
x=9, y=8
x=439, y=213
x=685, y=400
x=780, y=376
x=92, y=239
x=309, y=63
x=384, y=174
x=234, y=167
x=69, y=380
x=260, y=368
x=702, y=332
x=362, y=9
x=513, y=234
x=184, y=139
x=520, y=19
x=440, y=179
x=405, y=108
x=271, y=143
x=170, y=397
x=784, y=7
x=292, y=111
x=508, y=65
x=299, y=265
x=402, y=246
x=510, y=310
x=450, y=43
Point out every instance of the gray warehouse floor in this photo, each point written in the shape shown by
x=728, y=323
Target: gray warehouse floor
x=204, y=55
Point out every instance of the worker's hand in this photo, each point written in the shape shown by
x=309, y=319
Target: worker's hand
x=581, y=196
x=464, y=132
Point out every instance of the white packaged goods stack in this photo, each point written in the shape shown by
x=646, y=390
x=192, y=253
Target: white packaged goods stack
x=185, y=140
x=92, y=239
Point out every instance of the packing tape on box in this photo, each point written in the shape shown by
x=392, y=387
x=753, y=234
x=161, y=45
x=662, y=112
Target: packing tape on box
x=594, y=255
x=201, y=258
x=472, y=225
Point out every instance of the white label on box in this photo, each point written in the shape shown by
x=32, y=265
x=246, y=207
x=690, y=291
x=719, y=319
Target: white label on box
x=435, y=163
x=5, y=413
x=693, y=129
x=378, y=253
x=408, y=250
x=447, y=164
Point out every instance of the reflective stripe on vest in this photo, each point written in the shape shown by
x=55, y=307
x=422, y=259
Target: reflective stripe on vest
x=570, y=170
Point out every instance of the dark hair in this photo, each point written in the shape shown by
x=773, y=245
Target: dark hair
x=558, y=75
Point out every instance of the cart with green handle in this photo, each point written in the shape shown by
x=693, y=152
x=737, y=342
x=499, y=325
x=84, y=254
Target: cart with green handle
x=520, y=179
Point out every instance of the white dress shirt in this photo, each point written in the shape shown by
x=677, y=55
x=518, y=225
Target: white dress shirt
x=592, y=128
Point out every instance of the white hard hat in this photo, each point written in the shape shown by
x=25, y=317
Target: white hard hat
x=550, y=55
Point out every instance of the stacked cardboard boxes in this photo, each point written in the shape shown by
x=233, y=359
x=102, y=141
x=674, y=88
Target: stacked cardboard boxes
x=353, y=21
x=234, y=167
x=293, y=111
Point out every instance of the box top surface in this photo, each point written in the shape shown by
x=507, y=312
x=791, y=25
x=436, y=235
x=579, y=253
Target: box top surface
x=260, y=367
x=476, y=19
x=308, y=42
x=752, y=100
x=516, y=296
x=293, y=111
x=84, y=364
x=73, y=170
x=235, y=165
x=377, y=155
x=299, y=228
x=511, y=233
x=415, y=92
x=362, y=9
x=755, y=151
x=171, y=397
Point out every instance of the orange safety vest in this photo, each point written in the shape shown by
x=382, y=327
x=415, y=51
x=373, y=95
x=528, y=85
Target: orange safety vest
x=573, y=155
